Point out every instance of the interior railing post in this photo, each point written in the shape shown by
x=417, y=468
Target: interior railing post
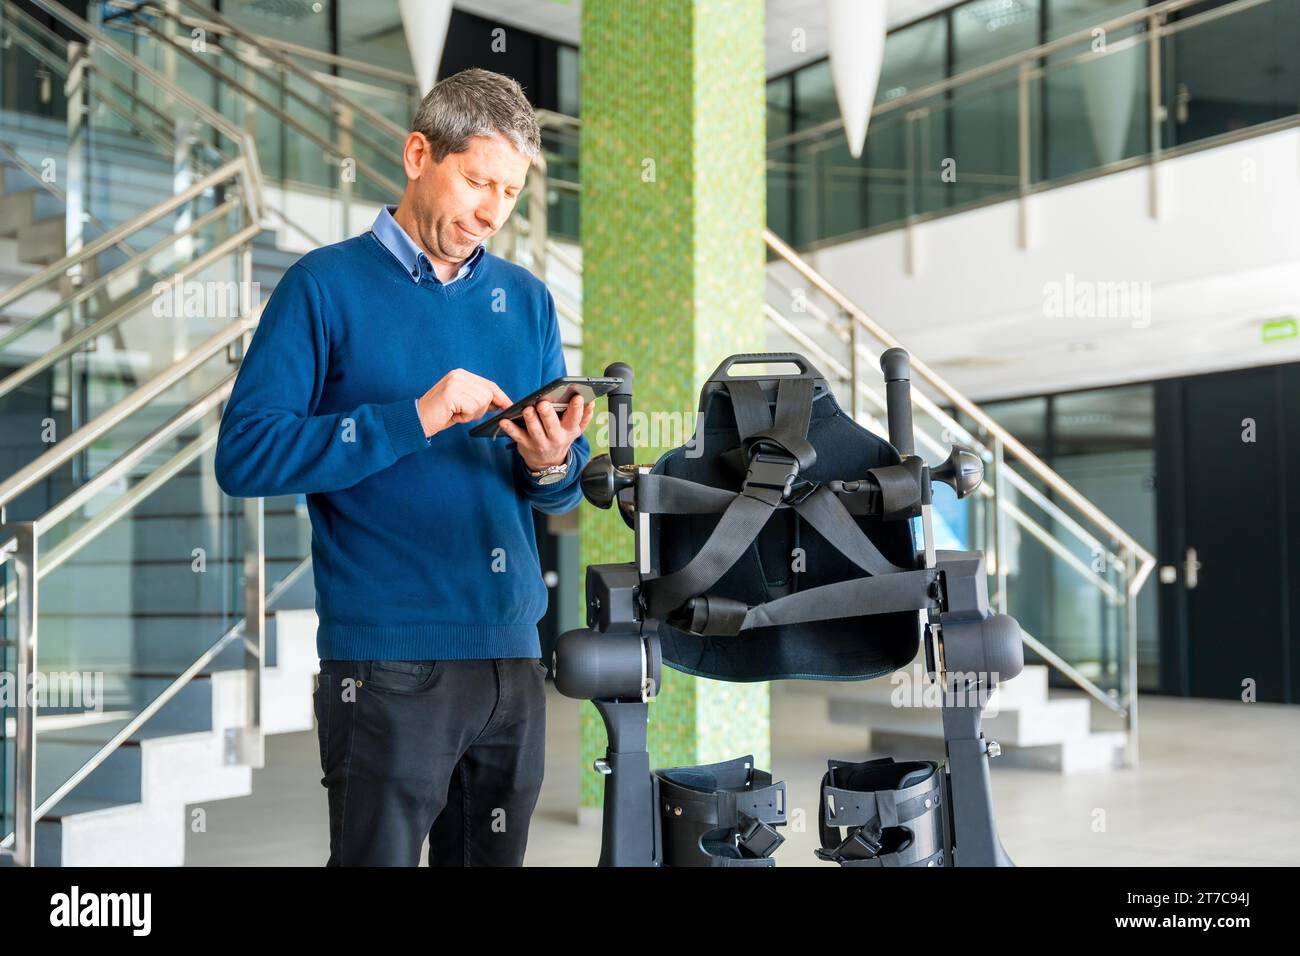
x=1022, y=151
x=1131, y=634
x=999, y=524
x=855, y=394
x=1155, y=110
x=251, y=749
x=347, y=175
x=25, y=535
x=910, y=203
x=74, y=199
x=537, y=215
x=77, y=204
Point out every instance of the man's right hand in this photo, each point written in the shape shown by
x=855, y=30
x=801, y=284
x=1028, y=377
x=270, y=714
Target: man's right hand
x=459, y=396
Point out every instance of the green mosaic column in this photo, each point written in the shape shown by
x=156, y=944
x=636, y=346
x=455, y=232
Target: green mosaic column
x=673, y=111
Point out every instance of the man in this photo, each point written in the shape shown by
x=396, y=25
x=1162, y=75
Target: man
x=431, y=700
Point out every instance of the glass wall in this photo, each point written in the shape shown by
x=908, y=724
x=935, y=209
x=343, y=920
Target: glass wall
x=1225, y=65
x=1094, y=108
x=1233, y=72
x=1102, y=441
x=304, y=22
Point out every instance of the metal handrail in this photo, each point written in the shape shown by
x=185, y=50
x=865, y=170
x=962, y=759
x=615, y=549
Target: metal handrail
x=61, y=68
x=38, y=280
x=252, y=179
x=378, y=119
x=139, y=452
x=110, y=418
x=952, y=425
x=842, y=372
x=138, y=493
x=292, y=49
x=845, y=376
x=323, y=142
x=1031, y=461
x=545, y=118
x=1007, y=63
x=74, y=342
x=138, y=260
x=180, y=45
x=118, y=469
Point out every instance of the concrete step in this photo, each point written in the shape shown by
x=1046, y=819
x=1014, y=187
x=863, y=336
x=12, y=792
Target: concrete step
x=903, y=715
x=100, y=825
x=1051, y=722
x=1095, y=753
x=90, y=832
x=910, y=686
x=41, y=243
x=18, y=209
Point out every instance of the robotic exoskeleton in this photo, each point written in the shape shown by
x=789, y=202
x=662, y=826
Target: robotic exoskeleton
x=776, y=470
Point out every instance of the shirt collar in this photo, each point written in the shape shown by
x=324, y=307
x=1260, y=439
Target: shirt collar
x=411, y=257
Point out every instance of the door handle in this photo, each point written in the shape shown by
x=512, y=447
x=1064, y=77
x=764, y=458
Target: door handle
x=1191, y=567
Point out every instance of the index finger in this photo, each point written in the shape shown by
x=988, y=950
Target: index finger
x=499, y=398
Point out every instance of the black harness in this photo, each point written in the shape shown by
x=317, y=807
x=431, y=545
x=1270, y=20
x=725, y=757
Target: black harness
x=841, y=494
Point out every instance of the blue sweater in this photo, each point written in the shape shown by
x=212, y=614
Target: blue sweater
x=421, y=548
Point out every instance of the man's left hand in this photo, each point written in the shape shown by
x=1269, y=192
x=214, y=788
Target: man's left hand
x=546, y=437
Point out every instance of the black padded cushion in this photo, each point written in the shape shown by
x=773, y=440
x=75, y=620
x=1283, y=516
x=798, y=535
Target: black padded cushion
x=854, y=648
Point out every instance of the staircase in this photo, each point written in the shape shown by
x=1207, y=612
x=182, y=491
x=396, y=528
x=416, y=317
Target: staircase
x=1034, y=729
x=143, y=562
x=137, y=805
x=141, y=558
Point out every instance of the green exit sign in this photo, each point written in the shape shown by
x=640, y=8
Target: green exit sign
x=1279, y=330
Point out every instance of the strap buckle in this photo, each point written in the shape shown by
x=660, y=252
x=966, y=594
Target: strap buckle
x=801, y=490
x=760, y=839
x=858, y=845
x=767, y=470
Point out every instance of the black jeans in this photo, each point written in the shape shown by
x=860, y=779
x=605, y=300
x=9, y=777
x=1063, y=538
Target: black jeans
x=450, y=749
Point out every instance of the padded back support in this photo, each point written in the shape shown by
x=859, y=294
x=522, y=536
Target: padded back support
x=846, y=649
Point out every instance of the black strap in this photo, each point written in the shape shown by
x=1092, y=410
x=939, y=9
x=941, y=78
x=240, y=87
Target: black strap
x=768, y=484
x=789, y=430
x=733, y=795
x=833, y=522
x=768, y=480
x=666, y=495
x=900, y=492
x=735, y=531
x=859, y=597
x=663, y=494
x=750, y=407
x=874, y=804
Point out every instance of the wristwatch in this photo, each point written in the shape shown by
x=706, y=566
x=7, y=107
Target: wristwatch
x=551, y=473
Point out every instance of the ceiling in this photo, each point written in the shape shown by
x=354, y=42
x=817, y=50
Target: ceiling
x=560, y=20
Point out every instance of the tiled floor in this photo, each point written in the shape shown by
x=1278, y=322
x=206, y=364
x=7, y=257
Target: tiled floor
x=1217, y=785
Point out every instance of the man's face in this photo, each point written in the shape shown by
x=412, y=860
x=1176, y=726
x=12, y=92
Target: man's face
x=461, y=201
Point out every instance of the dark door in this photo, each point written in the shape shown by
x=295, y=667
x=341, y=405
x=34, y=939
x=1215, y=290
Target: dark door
x=1224, y=546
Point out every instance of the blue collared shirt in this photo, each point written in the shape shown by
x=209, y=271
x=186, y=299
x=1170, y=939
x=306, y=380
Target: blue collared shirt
x=412, y=258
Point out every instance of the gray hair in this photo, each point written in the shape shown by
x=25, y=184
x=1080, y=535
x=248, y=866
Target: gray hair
x=477, y=102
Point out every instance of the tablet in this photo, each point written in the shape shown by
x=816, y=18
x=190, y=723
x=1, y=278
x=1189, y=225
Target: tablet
x=557, y=393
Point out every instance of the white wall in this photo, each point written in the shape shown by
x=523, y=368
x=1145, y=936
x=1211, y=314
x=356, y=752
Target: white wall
x=1223, y=257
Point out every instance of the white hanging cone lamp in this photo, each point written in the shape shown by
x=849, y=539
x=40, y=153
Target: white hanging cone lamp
x=1110, y=87
x=425, y=23
x=856, y=31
